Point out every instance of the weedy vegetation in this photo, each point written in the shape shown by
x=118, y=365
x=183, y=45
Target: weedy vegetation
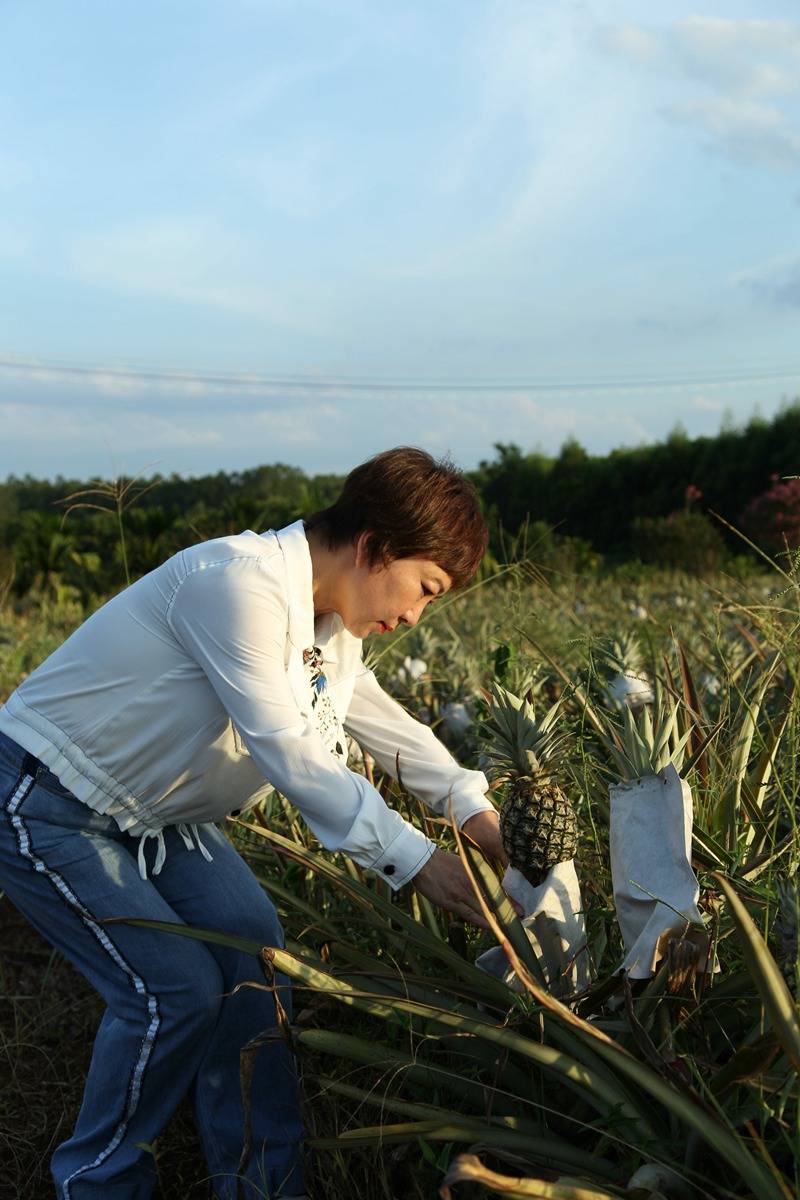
x=425, y=1076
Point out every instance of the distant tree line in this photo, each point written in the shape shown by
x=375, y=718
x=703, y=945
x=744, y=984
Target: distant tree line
x=84, y=539
x=70, y=538
x=655, y=502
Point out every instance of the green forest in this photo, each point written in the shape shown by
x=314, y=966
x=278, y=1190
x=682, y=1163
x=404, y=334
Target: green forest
x=684, y=503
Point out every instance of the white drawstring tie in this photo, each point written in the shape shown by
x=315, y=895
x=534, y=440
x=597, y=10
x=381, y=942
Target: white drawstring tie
x=161, y=852
x=185, y=831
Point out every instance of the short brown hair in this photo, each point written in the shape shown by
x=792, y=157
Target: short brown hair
x=414, y=507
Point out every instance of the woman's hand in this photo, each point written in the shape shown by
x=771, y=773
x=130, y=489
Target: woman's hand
x=484, y=828
x=445, y=882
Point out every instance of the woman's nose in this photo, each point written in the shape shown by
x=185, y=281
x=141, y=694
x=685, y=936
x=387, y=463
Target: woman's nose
x=412, y=615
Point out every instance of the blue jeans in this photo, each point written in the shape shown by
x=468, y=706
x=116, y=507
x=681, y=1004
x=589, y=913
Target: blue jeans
x=172, y=1024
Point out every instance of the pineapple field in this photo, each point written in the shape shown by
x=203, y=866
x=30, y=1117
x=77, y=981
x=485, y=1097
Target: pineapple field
x=627, y=1026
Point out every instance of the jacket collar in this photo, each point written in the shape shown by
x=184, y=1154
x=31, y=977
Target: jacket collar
x=329, y=634
x=299, y=583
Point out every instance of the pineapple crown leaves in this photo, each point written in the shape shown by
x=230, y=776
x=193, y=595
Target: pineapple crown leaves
x=627, y=681
x=625, y=655
x=647, y=742
x=518, y=743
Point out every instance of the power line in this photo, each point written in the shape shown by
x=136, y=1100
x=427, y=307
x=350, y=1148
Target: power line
x=255, y=381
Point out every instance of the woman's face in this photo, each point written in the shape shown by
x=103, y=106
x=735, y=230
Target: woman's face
x=381, y=598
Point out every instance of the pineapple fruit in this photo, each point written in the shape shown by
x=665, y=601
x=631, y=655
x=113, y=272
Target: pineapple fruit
x=537, y=821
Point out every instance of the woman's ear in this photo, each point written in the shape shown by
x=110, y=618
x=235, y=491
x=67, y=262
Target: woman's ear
x=363, y=543
x=365, y=547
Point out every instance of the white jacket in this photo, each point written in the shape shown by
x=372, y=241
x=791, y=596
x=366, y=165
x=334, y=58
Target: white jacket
x=184, y=697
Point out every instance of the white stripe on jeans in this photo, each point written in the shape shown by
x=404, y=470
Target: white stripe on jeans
x=67, y=894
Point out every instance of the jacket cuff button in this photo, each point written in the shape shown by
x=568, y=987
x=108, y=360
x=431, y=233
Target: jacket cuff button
x=388, y=870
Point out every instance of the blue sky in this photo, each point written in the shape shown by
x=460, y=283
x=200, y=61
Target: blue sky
x=262, y=230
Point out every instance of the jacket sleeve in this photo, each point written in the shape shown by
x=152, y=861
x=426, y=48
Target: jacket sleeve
x=231, y=619
x=383, y=727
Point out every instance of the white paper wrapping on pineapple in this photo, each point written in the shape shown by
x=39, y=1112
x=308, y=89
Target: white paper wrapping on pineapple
x=651, y=838
x=555, y=925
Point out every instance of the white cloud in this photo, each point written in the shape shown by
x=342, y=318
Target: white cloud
x=746, y=130
x=169, y=433
x=631, y=42
x=82, y=433
x=748, y=57
x=128, y=407
x=530, y=89
x=241, y=391
x=707, y=404
x=77, y=424
x=777, y=282
x=525, y=416
x=120, y=381
x=307, y=429
x=748, y=73
x=745, y=57
x=185, y=258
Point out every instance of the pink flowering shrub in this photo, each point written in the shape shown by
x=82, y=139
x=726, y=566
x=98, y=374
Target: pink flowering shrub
x=772, y=519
